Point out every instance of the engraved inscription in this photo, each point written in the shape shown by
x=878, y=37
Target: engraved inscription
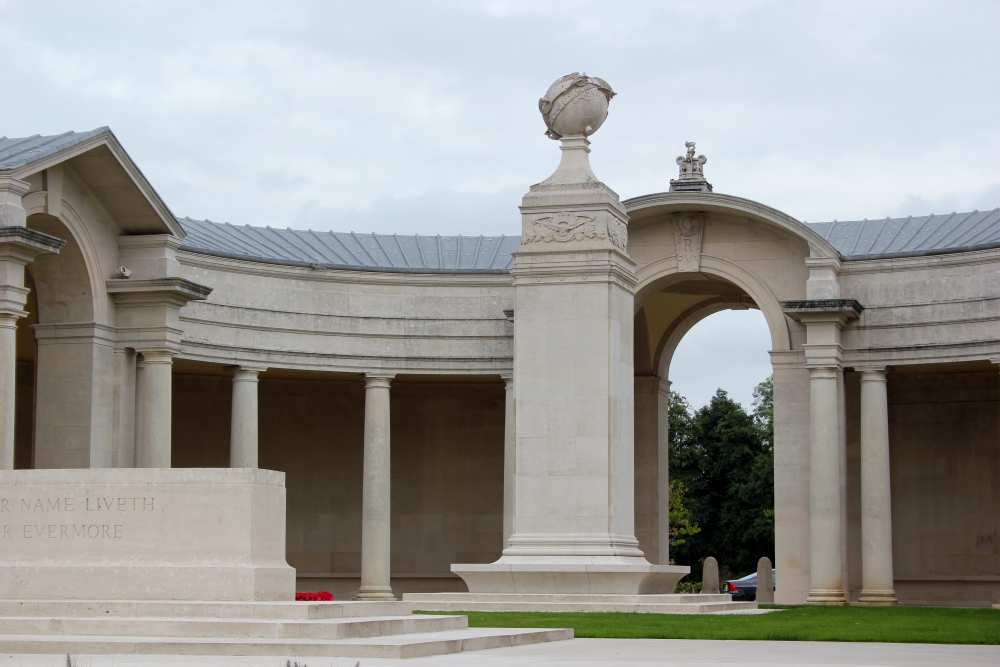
x=688, y=229
x=86, y=508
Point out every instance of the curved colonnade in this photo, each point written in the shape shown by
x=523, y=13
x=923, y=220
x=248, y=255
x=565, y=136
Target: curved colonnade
x=138, y=333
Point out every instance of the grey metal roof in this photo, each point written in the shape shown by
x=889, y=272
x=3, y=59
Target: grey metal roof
x=373, y=252
x=854, y=240
x=15, y=153
x=915, y=235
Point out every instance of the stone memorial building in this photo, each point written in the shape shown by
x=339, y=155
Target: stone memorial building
x=489, y=412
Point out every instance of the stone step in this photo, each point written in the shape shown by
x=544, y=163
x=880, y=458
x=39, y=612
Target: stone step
x=181, y=609
x=336, y=628
x=397, y=646
x=696, y=599
x=645, y=608
x=648, y=604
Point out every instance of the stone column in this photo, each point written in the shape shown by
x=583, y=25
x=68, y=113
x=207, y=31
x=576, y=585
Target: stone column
x=8, y=387
x=375, y=517
x=123, y=436
x=825, y=535
x=18, y=246
x=154, y=405
x=140, y=388
x=663, y=468
x=876, y=503
x=509, y=461
x=243, y=432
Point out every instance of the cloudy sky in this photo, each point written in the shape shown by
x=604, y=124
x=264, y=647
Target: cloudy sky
x=421, y=116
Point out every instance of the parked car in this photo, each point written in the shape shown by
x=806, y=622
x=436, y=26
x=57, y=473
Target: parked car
x=745, y=589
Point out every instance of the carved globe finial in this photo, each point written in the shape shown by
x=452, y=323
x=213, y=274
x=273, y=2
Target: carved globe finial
x=575, y=104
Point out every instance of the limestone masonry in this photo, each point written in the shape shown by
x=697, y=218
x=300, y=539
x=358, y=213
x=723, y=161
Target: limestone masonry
x=475, y=416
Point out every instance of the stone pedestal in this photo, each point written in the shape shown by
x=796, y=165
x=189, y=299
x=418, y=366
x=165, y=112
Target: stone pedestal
x=144, y=534
x=573, y=524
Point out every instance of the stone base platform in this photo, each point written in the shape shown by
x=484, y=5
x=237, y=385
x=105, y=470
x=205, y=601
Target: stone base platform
x=282, y=629
x=646, y=604
x=569, y=574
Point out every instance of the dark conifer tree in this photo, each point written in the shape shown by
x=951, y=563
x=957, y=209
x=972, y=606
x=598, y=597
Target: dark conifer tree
x=724, y=456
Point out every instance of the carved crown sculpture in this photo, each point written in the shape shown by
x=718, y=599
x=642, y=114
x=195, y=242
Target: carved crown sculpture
x=575, y=104
x=692, y=176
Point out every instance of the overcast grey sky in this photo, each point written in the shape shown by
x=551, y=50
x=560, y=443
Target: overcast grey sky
x=422, y=116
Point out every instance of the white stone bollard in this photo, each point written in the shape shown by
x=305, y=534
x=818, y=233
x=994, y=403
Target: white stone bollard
x=710, y=577
x=765, y=583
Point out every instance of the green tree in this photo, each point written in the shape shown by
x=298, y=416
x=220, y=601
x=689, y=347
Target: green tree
x=681, y=525
x=724, y=458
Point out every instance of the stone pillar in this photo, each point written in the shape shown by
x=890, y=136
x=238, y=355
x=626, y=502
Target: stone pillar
x=876, y=504
x=154, y=405
x=824, y=319
x=123, y=422
x=148, y=320
x=375, y=517
x=8, y=387
x=825, y=535
x=140, y=388
x=842, y=442
x=646, y=465
x=663, y=468
x=509, y=461
x=243, y=432
x=18, y=246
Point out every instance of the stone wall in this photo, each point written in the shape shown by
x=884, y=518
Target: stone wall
x=944, y=431
x=447, y=471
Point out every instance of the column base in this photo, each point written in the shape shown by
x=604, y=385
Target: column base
x=827, y=597
x=880, y=598
x=572, y=575
x=375, y=593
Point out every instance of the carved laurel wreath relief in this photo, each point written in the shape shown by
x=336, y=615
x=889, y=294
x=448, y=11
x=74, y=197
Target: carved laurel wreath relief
x=564, y=227
x=688, y=230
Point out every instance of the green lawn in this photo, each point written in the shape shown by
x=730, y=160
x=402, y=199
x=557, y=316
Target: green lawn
x=838, y=624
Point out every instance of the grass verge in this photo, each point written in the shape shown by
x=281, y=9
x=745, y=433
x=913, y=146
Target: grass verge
x=921, y=625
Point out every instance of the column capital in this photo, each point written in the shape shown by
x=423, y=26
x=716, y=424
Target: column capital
x=378, y=379
x=12, y=300
x=245, y=372
x=664, y=386
x=508, y=379
x=9, y=317
x=872, y=373
x=159, y=355
x=823, y=371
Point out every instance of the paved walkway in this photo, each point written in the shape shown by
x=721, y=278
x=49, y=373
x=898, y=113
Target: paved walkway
x=599, y=653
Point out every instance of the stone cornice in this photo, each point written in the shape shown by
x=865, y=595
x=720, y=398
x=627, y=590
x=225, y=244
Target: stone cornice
x=965, y=257
x=168, y=291
x=335, y=362
x=24, y=243
x=797, y=310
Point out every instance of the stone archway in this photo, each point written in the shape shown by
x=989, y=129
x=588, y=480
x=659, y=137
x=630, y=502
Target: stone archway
x=74, y=360
x=743, y=256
